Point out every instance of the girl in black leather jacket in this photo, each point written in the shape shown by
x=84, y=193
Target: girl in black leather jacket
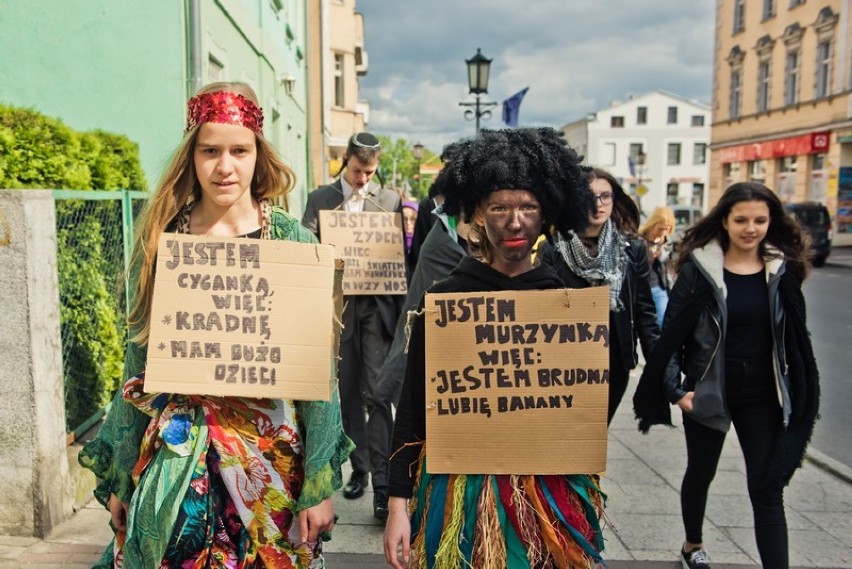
x=735, y=327
x=608, y=252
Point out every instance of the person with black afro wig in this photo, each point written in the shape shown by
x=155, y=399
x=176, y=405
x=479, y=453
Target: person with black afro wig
x=533, y=159
x=511, y=186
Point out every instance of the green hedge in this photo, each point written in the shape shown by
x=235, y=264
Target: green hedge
x=37, y=151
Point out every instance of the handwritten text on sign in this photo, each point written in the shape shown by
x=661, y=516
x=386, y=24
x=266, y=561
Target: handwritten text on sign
x=245, y=317
x=517, y=381
x=371, y=244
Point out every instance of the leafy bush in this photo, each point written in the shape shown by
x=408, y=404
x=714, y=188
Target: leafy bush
x=41, y=152
x=93, y=332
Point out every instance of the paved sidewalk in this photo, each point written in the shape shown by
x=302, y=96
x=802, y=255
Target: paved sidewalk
x=644, y=527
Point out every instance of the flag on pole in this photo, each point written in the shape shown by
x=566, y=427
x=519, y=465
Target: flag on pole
x=512, y=107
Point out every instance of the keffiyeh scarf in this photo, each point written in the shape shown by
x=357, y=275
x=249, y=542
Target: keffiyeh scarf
x=607, y=268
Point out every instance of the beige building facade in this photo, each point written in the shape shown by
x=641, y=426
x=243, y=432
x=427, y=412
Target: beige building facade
x=337, y=59
x=782, y=102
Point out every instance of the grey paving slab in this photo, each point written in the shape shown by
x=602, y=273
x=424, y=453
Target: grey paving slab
x=838, y=525
x=634, y=498
x=614, y=548
x=623, y=470
x=90, y=526
x=356, y=539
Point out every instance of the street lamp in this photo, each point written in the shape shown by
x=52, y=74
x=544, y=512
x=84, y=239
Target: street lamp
x=478, y=67
x=417, y=150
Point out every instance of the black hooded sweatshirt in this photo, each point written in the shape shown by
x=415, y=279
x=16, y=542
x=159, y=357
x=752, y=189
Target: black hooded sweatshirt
x=409, y=427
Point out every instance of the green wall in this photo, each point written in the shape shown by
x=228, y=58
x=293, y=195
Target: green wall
x=110, y=64
x=121, y=66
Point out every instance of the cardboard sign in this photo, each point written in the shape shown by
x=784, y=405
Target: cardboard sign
x=517, y=382
x=371, y=244
x=244, y=317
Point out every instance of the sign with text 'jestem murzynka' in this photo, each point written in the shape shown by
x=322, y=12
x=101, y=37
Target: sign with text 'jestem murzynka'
x=241, y=317
x=517, y=382
x=371, y=244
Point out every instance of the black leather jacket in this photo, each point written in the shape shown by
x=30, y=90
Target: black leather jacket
x=638, y=320
x=702, y=356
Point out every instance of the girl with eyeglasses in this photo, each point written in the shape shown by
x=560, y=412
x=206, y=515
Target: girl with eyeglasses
x=609, y=253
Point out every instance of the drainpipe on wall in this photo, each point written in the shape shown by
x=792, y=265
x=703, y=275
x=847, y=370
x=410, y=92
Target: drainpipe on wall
x=194, y=45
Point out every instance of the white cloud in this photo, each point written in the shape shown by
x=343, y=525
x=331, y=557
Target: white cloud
x=575, y=56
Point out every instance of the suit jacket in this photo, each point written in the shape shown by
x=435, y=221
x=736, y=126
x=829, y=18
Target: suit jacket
x=377, y=199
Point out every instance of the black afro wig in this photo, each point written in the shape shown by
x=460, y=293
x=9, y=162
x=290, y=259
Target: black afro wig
x=533, y=159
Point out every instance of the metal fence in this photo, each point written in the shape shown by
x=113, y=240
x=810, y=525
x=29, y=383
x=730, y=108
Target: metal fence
x=94, y=234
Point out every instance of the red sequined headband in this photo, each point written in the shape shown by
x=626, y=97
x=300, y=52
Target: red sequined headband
x=225, y=108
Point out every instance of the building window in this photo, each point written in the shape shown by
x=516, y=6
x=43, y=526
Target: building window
x=616, y=122
x=739, y=16
x=671, y=117
x=735, y=60
x=641, y=115
x=673, y=154
x=791, y=78
x=757, y=171
x=215, y=70
x=339, y=98
x=763, y=83
x=608, y=154
x=735, y=96
x=768, y=9
x=731, y=172
x=635, y=151
x=819, y=180
x=786, y=186
x=823, y=69
x=671, y=193
x=794, y=3
x=697, y=120
x=698, y=194
x=699, y=153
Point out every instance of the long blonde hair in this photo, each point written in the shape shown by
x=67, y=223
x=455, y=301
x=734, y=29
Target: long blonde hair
x=660, y=216
x=178, y=186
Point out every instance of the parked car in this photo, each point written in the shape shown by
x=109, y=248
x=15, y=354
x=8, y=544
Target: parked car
x=815, y=219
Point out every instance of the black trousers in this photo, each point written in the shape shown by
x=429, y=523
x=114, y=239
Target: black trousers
x=753, y=402
x=363, y=348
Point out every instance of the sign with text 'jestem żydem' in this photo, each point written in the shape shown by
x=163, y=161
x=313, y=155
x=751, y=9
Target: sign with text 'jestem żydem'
x=370, y=242
x=244, y=317
x=517, y=382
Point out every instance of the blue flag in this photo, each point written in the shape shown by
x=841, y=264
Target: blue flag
x=512, y=107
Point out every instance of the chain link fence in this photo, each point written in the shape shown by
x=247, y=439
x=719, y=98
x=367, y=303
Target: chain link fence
x=94, y=232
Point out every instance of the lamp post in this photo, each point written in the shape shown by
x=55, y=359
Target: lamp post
x=417, y=150
x=478, y=67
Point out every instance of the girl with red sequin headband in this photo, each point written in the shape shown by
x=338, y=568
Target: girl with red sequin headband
x=195, y=481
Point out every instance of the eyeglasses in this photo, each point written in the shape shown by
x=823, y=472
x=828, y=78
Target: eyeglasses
x=366, y=140
x=604, y=197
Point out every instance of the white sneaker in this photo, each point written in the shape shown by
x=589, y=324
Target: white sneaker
x=695, y=559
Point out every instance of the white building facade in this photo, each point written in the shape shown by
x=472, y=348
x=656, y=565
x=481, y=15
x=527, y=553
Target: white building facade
x=656, y=144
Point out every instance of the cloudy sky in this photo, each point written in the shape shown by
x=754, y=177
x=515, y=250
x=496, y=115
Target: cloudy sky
x=576, y=56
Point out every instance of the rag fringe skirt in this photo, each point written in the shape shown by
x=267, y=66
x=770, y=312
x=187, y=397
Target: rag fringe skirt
x=506, y=521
